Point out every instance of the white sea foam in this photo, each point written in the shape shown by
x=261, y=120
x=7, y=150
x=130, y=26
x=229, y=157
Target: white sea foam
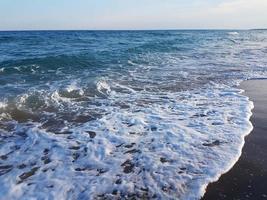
x=2, y=105
x=121, y=129
x=131, y=63
x=233, y=33
x=57, y=98
x=103, y=87
x=168, y=145
x=73, y=87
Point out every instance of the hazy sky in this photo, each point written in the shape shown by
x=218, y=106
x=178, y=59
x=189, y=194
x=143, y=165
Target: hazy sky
x=132, y=14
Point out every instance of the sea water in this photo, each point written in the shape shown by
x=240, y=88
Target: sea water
x=123, y=114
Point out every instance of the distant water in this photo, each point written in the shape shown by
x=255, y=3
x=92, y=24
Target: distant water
x=117, y=114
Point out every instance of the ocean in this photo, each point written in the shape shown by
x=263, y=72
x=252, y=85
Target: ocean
x=123, y=114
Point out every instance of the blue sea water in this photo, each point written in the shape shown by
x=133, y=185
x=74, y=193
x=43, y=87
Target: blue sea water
x=123, y=114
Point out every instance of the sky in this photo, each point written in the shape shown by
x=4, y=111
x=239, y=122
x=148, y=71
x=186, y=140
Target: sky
x=132, y=14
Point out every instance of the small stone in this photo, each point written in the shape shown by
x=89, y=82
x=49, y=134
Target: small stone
x=215, y=143
x=79, y=169
x=28, y=174
x=114, y=192
x=44, y=170
x=101, y=171
x=118, y=181
x=75, y=156
x=3, y=157
x=154, y=128
x=22, y=166
x=5, y=169
x=74, y=148
x=46, y=151
x=164, y=189
x=163, y=160
x=129, y=145
x=144, y=189
x=5, y=166
x=128, y=166
x=133, y=151
x=119, y=145
x=92, y=134
x=50, y=186
x=47, y=160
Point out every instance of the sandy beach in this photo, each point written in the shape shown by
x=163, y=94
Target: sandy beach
x=248, y=178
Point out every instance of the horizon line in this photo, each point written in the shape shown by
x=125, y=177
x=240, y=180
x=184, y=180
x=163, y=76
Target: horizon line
x=167, y=29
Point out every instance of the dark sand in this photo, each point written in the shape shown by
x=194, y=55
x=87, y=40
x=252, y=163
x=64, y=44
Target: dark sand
x=248, y=178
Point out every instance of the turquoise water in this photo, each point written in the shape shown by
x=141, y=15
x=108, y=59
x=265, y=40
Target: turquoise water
x=121, y=114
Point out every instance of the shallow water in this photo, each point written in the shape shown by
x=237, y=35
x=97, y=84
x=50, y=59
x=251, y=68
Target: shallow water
x=117, y=114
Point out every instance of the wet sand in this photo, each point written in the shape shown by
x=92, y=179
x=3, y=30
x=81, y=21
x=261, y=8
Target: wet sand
x=248, y=178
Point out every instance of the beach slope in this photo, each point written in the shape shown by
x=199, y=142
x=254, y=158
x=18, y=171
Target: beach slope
x=248, y=178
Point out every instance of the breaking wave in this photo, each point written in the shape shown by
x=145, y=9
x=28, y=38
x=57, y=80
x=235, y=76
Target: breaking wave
x=149, y=115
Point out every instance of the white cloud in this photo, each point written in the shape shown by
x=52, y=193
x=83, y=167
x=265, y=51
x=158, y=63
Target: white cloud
x=233, y=14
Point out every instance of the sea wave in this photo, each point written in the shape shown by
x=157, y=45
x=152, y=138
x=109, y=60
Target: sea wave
x=186, y=136
x=233, y=33
x=123, y=114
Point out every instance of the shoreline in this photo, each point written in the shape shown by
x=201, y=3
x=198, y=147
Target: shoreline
x=248, y=177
